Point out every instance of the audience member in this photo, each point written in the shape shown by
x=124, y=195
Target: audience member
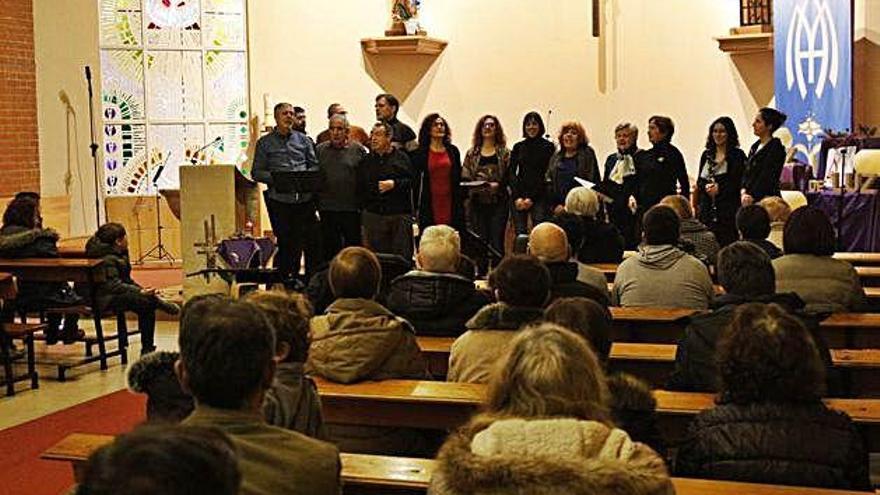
x=766, y=158
x=695, y=237
x=662, y=275
x=402, y=135
x=340, y=212
x=528, y=166
x=574, y=160
x=119, y=292
x=718, y=183
x=226, y=362
x=620, y=183
x=778, y=211
x=23, y=236
x=573, y=226
x=439, y=195
x=753, y=224
x=292, y=401
x=384, y=188
x=487, y=162
x=356, y=134
x=770, y=425
x=545, y=428
x=808, y=269
x=153, y=375
x=602, y=242
x=745, y=272
x=633, y=408
x=661, y=167
x=521, y=285
x=171, y=460
x=548, y=243
x=434, y=297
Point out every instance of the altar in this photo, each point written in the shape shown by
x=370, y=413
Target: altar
x=854, y=216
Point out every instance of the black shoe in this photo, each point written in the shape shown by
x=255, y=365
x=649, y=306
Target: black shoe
x=147, y=350
x=51, y=336
x=168, y=306
x=72, y=335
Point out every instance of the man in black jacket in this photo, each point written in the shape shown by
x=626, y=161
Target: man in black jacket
x=746, y=274
x=384, y=188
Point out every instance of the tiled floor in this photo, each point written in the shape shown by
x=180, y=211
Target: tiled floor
x=83, y=384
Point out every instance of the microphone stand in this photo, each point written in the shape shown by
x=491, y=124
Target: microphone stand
x=158, y=252
x=194, y=159
x=93, y=147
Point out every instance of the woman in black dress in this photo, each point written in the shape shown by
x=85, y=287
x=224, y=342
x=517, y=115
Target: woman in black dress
x=528, y=166
x=718, y=183
x=659, y=168
x=766, y=158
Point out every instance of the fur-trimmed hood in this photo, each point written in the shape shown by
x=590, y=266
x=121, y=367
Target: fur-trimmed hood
x=14, y=238
x=153, y=375
x=547, y=456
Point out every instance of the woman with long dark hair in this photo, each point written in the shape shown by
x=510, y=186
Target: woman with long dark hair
x=766, y=158
x=718, y=182
x=528, y=166
x=438, y=195
x=487, y=162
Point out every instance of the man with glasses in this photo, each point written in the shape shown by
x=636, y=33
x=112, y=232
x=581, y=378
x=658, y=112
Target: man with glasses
x=356, y=133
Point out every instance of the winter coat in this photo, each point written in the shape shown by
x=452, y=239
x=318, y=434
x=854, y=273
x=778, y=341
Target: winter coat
x=763, y=168
x=634, y=409
x=22, y=242
x=473, y=355
x=658, y=170
x=824, y=283
x=705, y=244
x=153, y=374
x=663, y=276
x=544, y=457
x=602, y=243
x=587, y=168
x=803, y=444
x=772, y=250
x=695, y=366
x=422, y=188
x=358, y=339
x=565, y=283
x=292, y=402
x=117, y=272
x=435, y=303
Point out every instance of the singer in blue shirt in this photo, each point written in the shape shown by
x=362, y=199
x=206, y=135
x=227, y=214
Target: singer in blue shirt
x=292, y=214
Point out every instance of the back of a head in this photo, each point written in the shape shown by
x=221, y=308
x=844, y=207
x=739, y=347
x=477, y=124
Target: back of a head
x=110, y=232
x=753, y=223
x=439, y=249
x=548, y=243
x=289, y=314
x=809, y=231
x=21, y=212
x=226, y=349
x=521, y=280
x=586, y=318
x=355, y=273
x=171, y=460
x=680, y=205
x=777, y=208
x=767, y=355
x=661, y=226
x=548, y=371
x=582, y=201
x=744, y=269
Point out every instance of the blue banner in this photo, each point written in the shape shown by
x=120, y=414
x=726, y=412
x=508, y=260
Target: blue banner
x=813, y=70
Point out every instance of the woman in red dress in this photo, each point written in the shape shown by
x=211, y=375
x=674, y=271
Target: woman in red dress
x=437, y=161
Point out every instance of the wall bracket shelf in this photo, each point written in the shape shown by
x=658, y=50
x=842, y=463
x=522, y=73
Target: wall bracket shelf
x=403, y=45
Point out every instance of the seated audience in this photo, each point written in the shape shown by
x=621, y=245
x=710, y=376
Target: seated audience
x=779, y=211
x=171, y=460
x=662, y=275
x=753, y=224
x=574, y=231
x=23, y=236
x=746, y=274
x=632, y=406
x=824, y=283
x=153, y=375
x=695, y=238
x=602, y=242
x=227, y=362
x=358, y=338
x=434, y=297
x=770, y=425
x=521, y=285
x=320, y=295
x=292, y=401
x=118, y=291
x=546, y=429
x=548, y=243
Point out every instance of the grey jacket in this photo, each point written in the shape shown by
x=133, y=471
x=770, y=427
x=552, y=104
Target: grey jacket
x=663, y=276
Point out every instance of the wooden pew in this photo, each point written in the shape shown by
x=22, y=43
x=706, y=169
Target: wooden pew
x=859, y=259
x=368, y=474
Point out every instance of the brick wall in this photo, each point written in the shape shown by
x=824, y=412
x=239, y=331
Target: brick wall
x=19, y=152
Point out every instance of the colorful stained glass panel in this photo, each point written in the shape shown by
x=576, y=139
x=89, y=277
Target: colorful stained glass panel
x=124, y=154
x=122, y=84
x=178, y=143
x=121, y=22
x=175, y=86
x=174, y=23
x=226, y=77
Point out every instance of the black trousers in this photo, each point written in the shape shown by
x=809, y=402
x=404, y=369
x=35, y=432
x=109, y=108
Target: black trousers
x=296, y=232
x=339, y=229
x=144, y=306
x=389, y=234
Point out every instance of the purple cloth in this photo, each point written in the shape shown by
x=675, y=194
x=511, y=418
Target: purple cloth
x=854, y=216
x=246, y=253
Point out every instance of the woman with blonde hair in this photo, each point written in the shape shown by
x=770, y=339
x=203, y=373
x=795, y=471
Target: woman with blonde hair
x=602, y=242
x=575, y=159
x=546, y=428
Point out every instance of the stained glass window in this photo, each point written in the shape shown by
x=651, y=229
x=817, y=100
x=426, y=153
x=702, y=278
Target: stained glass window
x=173, y=77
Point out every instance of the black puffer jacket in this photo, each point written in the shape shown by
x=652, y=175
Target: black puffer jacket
x=786, y=444
x=117, y=271
x=22, y=242
x=602, y=243
x=564, y=275
x=435, y=303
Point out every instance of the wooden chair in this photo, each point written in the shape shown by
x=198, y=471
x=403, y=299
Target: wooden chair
x=25, y=333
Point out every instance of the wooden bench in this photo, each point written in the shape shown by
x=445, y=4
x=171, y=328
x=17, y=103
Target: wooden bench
x=859, y=259
x=368, y=474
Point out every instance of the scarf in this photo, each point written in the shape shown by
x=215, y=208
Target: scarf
x=624, y=167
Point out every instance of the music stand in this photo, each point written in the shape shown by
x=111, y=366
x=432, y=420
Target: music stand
x=296, y=181
x=158, y=252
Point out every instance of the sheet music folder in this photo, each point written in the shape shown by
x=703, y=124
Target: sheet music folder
x=296, y=181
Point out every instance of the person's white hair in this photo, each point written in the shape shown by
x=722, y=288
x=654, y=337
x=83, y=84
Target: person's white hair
x=582, y=202
x=340, y=117
x=439, y=249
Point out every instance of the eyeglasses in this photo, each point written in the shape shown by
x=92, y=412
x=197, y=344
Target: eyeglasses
x=489, y=124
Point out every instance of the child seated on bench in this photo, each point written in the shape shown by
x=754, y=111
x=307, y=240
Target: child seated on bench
x=119, y=291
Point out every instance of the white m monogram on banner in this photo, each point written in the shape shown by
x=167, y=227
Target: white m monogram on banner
x=822, y=48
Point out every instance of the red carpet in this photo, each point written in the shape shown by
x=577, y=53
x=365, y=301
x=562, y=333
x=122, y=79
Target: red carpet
x=21, y=469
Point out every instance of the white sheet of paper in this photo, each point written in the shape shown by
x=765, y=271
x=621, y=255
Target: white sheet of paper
x=585, y=183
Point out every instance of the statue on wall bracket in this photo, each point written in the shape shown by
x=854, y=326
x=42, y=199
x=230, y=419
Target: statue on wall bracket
x=405, y=19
